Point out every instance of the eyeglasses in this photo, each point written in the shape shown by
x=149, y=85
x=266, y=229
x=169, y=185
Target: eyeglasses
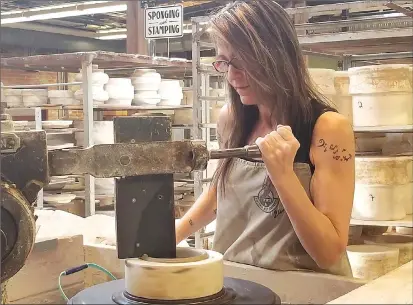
x=222, y=66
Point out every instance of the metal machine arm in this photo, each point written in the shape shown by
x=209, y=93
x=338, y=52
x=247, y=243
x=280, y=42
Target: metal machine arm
x=143, y=158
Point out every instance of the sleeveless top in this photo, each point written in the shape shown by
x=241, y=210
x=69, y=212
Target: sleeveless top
x=252, y=227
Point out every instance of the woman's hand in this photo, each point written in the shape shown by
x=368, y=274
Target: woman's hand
x=278, y=150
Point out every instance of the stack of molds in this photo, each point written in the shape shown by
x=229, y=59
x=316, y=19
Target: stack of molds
x=369, y=262
x=146, y=83
x=99, y=79
x=404, y=243
x=343, y=98
x=384, y=188
x=34, y=97
x=170, y=91
x=323, y=80
x=382, y=95
x=13, y=98
x=120, y=90
x=102, y=134
x=62, y=97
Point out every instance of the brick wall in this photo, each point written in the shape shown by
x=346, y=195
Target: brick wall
x=19, y=77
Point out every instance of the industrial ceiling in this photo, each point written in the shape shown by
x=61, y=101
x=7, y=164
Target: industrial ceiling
x=85, y=32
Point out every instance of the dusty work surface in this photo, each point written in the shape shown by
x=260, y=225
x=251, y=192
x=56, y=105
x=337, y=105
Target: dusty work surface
x=96, y=229
x=396, y=287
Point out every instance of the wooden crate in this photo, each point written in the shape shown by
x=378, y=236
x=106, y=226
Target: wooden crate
x=37, y=281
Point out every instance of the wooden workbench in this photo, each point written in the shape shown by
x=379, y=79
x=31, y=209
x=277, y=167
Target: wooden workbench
x=396, y=287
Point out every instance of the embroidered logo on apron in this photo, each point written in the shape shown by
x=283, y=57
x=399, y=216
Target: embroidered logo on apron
x=267, y=201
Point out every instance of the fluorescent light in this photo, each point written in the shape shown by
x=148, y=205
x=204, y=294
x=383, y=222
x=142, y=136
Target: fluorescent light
x=112, y=37
x=63, y=11
x=120, y=30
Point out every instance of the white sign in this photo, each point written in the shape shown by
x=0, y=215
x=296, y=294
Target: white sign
x=164, y=21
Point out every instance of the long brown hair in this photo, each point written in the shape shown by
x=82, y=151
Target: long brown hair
x=263, y=37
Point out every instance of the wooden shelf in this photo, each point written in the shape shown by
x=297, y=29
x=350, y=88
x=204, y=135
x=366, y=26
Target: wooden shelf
x=406, y=222
x=121, y=108
x=384, y=129
x=72, y=62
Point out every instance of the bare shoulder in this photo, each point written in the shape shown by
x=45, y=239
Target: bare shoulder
x=223, y=123
x=332, y=140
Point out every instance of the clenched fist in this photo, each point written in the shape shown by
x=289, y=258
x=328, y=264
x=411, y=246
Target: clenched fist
x=278, y=150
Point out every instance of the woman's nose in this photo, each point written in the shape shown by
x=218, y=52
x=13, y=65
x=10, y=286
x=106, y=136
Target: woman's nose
x=235, y=75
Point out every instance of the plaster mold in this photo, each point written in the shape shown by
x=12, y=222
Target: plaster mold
x=382, y=95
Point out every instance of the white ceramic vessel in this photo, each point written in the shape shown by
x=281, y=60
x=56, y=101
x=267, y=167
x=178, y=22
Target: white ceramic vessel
x=99, y=79
x=34, y=97
x=102, y=134
x=383, y=189
x=369, y=262
x=382, y=95
x=146, y=80
x=323, y=79
x=343, y=98
x=170, y=91
x=201, y=272
x=13, y=98
x=402, y=242
x=120, y=90
x=150, y=98
x=62, y=97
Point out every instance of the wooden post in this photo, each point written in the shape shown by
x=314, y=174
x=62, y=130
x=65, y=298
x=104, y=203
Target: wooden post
x=300, y=18
x=135, y=23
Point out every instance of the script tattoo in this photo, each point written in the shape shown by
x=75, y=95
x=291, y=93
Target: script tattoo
x=339, y=154
x=191, y=222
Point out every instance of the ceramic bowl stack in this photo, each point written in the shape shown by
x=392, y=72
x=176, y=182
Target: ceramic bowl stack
x=102, y=134
x=99, y=79
x=13, y=98
x=170, y=91
x=34, y=97
x=146, y=83
x=62, y=97
x=323, y=79
x=55, y=138
x=120, y=90
x=382, y=95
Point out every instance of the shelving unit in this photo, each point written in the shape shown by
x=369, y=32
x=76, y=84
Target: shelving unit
x=73, y=62
x=353, y=41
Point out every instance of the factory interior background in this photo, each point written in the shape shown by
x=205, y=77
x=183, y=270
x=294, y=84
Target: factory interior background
x=74, y=69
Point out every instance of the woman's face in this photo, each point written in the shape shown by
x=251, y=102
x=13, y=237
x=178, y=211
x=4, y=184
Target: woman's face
x=236, y=76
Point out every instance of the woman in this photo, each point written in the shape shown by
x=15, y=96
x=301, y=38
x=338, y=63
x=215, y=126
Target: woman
x=291, y=210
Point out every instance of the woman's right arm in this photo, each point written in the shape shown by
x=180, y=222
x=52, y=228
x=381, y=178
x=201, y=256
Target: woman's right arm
x=204, y=210
x=202, y=213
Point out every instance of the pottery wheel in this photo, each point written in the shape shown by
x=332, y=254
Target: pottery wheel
x=194, y=276
x=235, y=291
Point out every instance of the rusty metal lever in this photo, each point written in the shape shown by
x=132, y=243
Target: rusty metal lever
x=125, y=159
x=249, y=151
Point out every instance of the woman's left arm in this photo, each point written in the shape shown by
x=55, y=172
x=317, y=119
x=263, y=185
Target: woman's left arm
x=322, y=225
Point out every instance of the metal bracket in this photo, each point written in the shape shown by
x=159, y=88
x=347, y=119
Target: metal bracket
x=10, y=143
x=145, y=218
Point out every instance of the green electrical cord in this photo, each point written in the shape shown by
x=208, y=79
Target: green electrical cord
x=77, y=269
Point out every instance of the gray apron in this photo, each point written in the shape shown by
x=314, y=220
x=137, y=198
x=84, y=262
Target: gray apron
x=252, y=227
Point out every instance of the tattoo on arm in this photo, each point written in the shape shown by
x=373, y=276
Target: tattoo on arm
x=191, y=222
x=215, y=211
x=339, y=154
